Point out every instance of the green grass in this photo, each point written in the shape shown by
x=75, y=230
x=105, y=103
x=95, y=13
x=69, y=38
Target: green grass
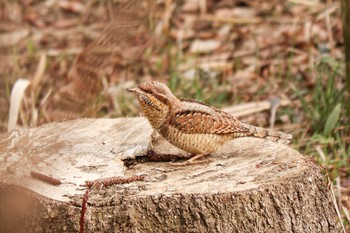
x=326, y=110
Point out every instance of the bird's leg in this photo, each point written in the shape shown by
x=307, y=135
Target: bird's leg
x=192, y=160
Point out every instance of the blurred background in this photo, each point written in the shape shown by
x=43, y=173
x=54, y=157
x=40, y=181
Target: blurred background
x=281, y=62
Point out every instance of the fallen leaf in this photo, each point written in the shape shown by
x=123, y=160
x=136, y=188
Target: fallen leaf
x=204, y=46
x=13, y=38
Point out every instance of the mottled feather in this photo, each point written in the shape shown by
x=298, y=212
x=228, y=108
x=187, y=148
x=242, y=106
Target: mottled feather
x=194, y=117
x=194, y=126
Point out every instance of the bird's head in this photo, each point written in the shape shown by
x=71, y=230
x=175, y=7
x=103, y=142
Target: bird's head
x=155, y=99
x=155, y=92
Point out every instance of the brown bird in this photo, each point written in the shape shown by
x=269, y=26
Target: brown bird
x=194, y=126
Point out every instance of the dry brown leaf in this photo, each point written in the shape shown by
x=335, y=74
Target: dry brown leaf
x=204, y=46
x=13, y=38
x=76, y=7
x=39, y=73
x=231, y=20
x=243, y=76
x=122, y=41
x=191, y=6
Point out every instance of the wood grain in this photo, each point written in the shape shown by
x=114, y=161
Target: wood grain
x=250, y=185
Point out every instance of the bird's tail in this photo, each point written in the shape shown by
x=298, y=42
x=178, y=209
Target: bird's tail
x=270, y=134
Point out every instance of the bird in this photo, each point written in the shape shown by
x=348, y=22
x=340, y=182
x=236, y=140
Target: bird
x=192, y=125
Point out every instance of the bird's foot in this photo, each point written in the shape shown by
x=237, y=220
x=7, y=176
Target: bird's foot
x=192, y=161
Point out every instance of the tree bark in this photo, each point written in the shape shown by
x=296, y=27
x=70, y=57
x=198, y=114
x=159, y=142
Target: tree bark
x=249, y=185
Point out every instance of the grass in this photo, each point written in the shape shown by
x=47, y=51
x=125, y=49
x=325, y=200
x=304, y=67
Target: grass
x=327, y=132
x=325, y=109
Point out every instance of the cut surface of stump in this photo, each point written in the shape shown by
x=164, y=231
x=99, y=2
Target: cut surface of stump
x=249, y=185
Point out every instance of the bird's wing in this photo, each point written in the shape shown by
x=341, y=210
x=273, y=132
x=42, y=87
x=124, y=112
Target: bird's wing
x=196, y=117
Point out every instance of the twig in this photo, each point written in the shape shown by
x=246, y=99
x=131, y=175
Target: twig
x=83, y=210
x=303, y=136
x=45, y=178
x=320, y=152
x=275, y=102
x=347, y=214
x=39, y=73
x=335, y=204
x=337, y=181
x=253, y=107
x=329, y=31
x=232, y=20
x=246, y=53
x=305, y=3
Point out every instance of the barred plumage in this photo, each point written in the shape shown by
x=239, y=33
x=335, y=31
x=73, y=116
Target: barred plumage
x=192, y=125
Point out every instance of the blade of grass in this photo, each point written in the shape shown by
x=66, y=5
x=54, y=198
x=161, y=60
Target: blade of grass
x=17, y=94
x=332, y=120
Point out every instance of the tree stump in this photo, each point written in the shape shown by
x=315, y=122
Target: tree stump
x=249, y=185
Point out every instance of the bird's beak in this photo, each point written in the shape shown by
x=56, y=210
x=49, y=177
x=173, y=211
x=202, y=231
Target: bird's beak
x=134, y=89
